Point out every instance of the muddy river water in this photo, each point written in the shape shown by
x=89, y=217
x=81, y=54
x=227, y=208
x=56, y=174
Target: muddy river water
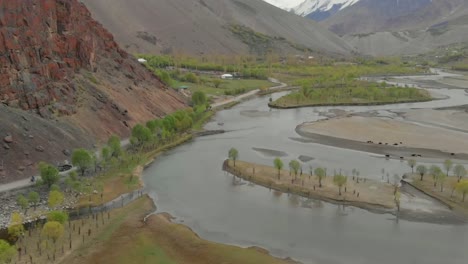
x=188, y=183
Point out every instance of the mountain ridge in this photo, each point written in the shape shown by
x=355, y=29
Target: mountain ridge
x=202, y=26
x=65, y=83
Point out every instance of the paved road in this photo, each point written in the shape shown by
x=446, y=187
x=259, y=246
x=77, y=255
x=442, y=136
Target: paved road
x=26, y=182
x=247, y=95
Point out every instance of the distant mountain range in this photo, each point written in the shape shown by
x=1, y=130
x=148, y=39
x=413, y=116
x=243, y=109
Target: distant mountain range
x=391, y=27
x=321, y=9
x=212, y=27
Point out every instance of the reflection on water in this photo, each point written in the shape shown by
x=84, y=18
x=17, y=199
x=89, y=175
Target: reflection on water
x=190, y=184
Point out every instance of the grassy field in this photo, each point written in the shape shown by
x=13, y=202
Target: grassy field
x=366, y=94
x=127, y=239
x=372, y=194
x=226, y=85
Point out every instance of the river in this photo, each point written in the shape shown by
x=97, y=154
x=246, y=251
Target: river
x=188, y=183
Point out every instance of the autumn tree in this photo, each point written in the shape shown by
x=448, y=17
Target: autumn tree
x=462, y=188
x=15, y=228
x=53, y=230
x=56, y=198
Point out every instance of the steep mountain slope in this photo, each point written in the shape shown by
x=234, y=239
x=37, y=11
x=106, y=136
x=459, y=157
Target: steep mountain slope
x=203, y=26
x=65, y=83
x=438, y=24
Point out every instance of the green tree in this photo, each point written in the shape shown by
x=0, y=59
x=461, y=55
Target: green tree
x=278, y=163
x=49, y=174
x=53, y=230
x=459, y=171
x=57, y=216
x=339, y=180
x=56, y=198
x=462, y=188
x=199, y=98
x=82, y=159
x=294, y=166
x=233, y=154
x=441, y=177
x=448, y=166
x=192, y=78
x=435, y=171
x=22, y=202
x=421, y=169
x=141, y=134
x=106, y=154
x=217, y=83
x=34, y=198
x=7, y=252
x=15, y=228
x=114, y=146
x=320, y=173
x=412, y=164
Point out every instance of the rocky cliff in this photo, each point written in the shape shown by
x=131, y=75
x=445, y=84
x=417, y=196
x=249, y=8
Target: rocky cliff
x=59, y=64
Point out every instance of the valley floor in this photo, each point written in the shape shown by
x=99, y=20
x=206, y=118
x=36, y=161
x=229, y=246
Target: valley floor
x=129, y=239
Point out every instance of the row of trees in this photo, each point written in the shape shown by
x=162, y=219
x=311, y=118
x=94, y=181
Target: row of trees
x=295, y=167
x=340, y=180
x=439, y=176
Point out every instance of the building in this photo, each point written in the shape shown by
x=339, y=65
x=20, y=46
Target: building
x=227, y=76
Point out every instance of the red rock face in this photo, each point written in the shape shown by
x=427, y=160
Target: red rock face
x=59, y=63
x=43, y=43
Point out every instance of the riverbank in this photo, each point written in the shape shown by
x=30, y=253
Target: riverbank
x=291, y=105
x=129, y=239
x=366, y=194
x=448, y=196
x=390, y=138
x=390, y=132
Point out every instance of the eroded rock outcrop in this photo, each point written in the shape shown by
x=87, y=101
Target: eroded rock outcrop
x=57, y=62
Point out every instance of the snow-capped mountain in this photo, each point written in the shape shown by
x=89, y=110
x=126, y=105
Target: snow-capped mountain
x=308, y=7
x=285, y=4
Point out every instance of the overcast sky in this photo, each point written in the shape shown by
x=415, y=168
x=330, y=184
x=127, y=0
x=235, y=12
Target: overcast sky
x=285, y=3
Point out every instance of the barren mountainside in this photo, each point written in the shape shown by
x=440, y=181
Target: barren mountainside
x=64, y=83
x=204, y=26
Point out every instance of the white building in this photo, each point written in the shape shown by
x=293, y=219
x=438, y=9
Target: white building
x=227, y=76
x=141, y=60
